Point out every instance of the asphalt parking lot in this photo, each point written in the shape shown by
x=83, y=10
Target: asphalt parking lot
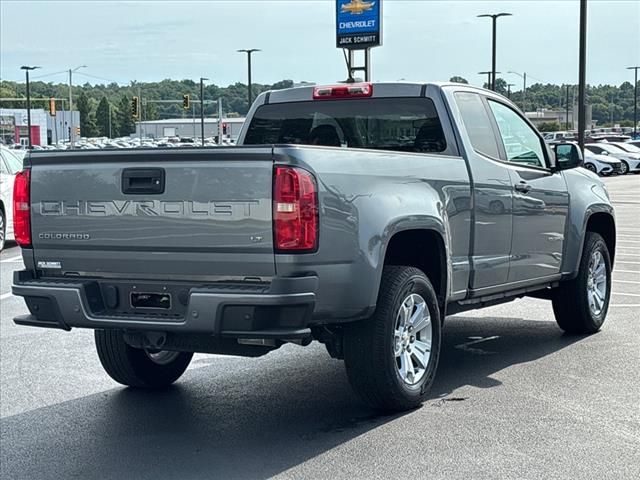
x=514, y=398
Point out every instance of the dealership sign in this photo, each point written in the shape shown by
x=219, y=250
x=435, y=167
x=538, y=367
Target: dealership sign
x=358, y=23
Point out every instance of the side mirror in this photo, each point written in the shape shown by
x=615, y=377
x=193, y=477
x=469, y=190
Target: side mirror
x=603, y=152
x=568, y=155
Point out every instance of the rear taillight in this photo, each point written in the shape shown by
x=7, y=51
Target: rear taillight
x=295, y=211
x=336, y=92
x=22, y=208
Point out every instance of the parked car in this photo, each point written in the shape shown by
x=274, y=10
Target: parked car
x=346, y=215
x=628, y=147
x=630, y=161
x=10, y=165
x=601, y=164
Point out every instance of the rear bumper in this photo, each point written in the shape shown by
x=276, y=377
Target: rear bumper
x=281, y=309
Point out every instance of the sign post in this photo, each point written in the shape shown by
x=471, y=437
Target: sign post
x=358, y=27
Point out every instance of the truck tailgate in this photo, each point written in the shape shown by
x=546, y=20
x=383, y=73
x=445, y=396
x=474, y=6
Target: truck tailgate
x=183, y=213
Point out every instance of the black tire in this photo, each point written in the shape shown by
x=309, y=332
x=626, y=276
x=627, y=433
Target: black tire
x=591, y=167
x=133, y=366
x=3, y=229
x=570, y=300
x=369, y=345
x=624, y=168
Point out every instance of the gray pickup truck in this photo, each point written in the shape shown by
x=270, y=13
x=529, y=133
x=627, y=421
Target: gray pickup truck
x=357, y=215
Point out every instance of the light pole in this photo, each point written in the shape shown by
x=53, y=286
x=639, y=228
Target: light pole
x=494, y=17
x=72, y=132
x=509, y=85
x=582, y=73
x=27, y=69
x=635, y=101
x=488, y=74
x=524, y=88
x=249, y=52
x=202, y=108
x=566, y=123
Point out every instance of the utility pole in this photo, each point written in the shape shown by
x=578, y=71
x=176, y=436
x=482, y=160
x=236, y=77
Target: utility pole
x=635, y=101
x=220, y=120
x=249, y=52
x=494, y=17
x=109, y=104
x=582, y=73
x=202, y=108
x=27, y=69
x=566, y=123
x=71, y=132
x=509, y=85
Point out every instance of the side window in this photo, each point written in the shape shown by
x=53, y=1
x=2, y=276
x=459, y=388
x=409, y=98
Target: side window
x=477, y=123
x=521, y=142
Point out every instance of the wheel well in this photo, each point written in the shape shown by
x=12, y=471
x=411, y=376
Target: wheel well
x=423, y=249
x=603, y=224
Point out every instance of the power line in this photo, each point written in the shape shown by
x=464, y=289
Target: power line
x=49, y=74
x=97, y=77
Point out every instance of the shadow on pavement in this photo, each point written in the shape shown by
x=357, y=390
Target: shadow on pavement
x=250, y=418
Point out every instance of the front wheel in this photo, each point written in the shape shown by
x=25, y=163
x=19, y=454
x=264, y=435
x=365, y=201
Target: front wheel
x=3, y=230
x=591, y=167
x=391, y=358
x=136, y=367
x=580, y=305
x=624, y=168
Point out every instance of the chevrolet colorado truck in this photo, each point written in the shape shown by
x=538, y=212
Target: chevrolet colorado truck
x=357, y=215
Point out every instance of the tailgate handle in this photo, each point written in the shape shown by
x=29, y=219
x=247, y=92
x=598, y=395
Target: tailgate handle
x=137, y=181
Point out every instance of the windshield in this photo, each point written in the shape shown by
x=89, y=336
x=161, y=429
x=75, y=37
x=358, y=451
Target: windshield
x=401, y=124
x=611, y=148
x=14, y=164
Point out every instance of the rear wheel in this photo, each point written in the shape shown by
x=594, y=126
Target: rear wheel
x=136, y=367
x=581, y=305
x=391, y=358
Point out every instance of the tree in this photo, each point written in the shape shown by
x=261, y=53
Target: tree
x=549, y=127
x=125, y=121
x=151, y=111
x=87, y=120
x=457, y=79
x=103, y=118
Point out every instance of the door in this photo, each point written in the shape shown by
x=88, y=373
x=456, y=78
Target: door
x=492, y=195
x=540, y=198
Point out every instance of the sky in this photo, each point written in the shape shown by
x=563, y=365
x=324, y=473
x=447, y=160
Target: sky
x=423, y=40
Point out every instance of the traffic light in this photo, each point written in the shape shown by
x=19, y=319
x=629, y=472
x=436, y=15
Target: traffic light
x=52, y=107
x=185, y=101
x=78, y=130
x=224, y=128
x=135, y=107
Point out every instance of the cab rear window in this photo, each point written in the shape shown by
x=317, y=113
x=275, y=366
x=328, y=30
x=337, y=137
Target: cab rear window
x=399, y=124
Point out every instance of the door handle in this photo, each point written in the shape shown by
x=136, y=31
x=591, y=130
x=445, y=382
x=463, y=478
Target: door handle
x=139, y=181
x=523, y=187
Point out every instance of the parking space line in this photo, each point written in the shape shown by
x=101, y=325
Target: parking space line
x=626, y=294
x=626, y=281
x=628, y=254
x=632, y=263
x=6, y=295
x=633, y=305
x=626, y=271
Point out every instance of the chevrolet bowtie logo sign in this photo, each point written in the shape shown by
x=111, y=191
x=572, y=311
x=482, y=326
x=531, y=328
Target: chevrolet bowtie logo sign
x=357, y=7
x=358, y=24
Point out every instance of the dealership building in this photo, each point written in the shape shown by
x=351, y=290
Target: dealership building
x=45, y=129
x=188, y=128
